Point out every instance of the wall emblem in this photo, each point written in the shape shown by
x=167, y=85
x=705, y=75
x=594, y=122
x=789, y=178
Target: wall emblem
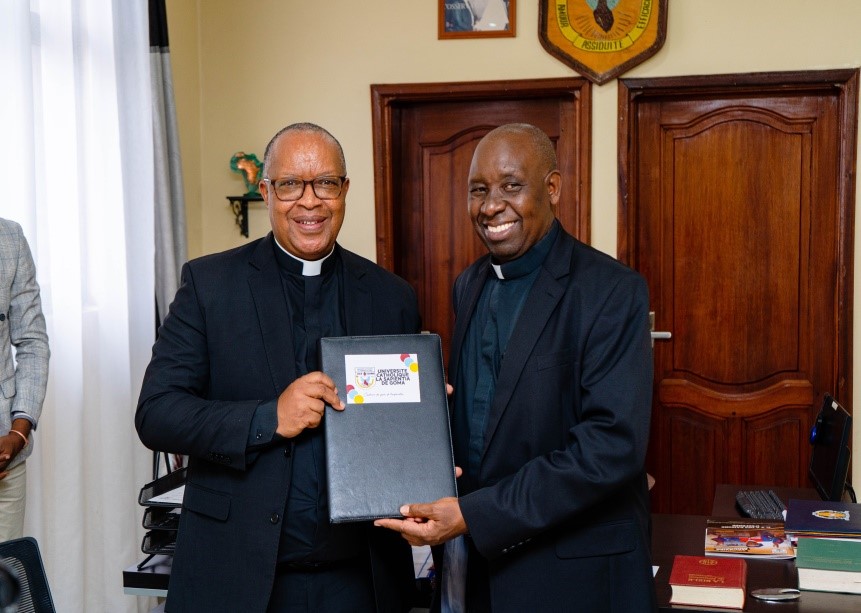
x=601, y=39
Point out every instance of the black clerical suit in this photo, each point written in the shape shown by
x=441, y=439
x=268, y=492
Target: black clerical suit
x=233, y=340
x=554, y=491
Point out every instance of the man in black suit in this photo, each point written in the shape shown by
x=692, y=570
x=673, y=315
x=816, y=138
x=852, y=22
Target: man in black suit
x=234, y=385
x=552, y=371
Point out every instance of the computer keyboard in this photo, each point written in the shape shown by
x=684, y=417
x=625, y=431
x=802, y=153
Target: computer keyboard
x=760, y=504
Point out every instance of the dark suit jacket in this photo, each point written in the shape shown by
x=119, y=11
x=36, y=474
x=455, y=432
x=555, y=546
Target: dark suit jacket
x=225, y=346
x=560, y=507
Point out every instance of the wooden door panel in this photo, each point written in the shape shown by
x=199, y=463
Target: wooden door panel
x=774, y=447
x=451, y=244
x=737, y=211
x=693, y=455
x=703, y=451
x=735, y=208
x=425, y=135
x=729, y=402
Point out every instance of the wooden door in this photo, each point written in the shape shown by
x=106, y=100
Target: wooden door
x=424, y=138
x=736, y=204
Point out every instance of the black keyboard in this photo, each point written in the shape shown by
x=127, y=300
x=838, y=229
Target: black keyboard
x=760, y=504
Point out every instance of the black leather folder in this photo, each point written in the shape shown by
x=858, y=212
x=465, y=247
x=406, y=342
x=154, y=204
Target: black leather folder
x=391, y=445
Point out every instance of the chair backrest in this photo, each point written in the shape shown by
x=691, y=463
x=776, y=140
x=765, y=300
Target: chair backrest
x=22, y=556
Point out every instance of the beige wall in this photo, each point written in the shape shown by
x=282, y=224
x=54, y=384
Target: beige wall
x=244, y=69
x=184, y=31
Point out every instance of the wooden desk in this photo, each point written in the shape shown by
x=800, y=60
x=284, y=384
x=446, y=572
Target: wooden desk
x=724, y=502
x=671, y=535
x=685, y=534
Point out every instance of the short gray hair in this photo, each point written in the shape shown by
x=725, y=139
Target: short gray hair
x=303, y=127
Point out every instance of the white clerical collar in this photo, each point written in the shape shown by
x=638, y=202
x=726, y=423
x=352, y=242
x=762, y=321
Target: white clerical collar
x=310, y=268
x=497, y=268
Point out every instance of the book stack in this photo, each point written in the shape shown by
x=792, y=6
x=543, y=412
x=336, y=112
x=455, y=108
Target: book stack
x=708, y=582
x=828, y=551
x=828, y=564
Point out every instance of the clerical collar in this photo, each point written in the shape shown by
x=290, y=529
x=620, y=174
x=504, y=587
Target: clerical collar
x=530, y=260
x=307, y=268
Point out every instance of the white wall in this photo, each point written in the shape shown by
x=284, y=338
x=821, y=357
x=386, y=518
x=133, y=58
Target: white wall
x=244, y=69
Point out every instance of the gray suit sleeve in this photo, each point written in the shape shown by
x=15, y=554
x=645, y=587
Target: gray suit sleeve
x=28, y=335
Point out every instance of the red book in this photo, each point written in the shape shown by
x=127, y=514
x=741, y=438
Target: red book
x=708, y=581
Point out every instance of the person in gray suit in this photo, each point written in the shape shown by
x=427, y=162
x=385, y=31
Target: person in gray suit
x=23, y=374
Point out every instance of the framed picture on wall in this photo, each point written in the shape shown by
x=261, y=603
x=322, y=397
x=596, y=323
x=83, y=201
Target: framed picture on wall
x=477, y=18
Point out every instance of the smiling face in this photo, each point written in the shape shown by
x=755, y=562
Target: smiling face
x=513, y=187
x=309, y=226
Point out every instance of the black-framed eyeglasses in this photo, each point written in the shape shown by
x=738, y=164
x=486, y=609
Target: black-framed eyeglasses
x=289, y=189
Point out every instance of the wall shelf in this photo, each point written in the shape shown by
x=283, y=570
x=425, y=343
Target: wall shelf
x=239, y=204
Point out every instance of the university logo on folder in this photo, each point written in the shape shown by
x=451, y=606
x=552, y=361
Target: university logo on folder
x=391, y=445
x=385, y=377
x=601, y=39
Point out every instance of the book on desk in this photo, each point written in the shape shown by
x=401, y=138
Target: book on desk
x=823, y=518
x=708, y=582
x=829, y=544
x=683, y=534
x=828, y=564
x=747, y=538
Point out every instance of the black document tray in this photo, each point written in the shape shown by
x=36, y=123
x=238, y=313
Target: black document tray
x=160, y=486
x=161, y=518
x=159, y=542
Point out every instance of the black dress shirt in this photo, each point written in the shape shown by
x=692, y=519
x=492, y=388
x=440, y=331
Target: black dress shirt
x=495, y=315
x=314, y=295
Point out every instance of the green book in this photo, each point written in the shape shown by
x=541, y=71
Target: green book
x=828, y=553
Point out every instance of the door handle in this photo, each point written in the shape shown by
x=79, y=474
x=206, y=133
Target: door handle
x=657, y=334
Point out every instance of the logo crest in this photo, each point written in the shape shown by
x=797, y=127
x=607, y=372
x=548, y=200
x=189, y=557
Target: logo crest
x=601, y=39
x=829, y=514
x=366, y=376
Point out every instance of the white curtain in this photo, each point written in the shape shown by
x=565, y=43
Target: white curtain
x=76, y=163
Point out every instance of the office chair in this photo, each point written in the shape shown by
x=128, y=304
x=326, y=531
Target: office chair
x=22, y=556
x=10, y=588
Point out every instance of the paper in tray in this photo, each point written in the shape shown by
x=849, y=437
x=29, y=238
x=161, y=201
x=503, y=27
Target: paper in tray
x=165, y=491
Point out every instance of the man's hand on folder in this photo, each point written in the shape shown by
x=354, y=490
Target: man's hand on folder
x=302, y=404
x=429, y=523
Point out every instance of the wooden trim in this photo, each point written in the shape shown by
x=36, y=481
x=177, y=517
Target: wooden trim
x=386, y=99
x=846, y=231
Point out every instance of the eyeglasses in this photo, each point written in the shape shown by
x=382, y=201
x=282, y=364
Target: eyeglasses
x=290, y=189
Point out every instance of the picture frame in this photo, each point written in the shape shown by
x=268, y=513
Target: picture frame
x=477, y=19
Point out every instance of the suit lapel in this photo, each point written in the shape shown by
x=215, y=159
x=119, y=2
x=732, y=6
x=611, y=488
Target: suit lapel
x=544, y=296
x=358, y=307
x=272, y=314
x=464, y=312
